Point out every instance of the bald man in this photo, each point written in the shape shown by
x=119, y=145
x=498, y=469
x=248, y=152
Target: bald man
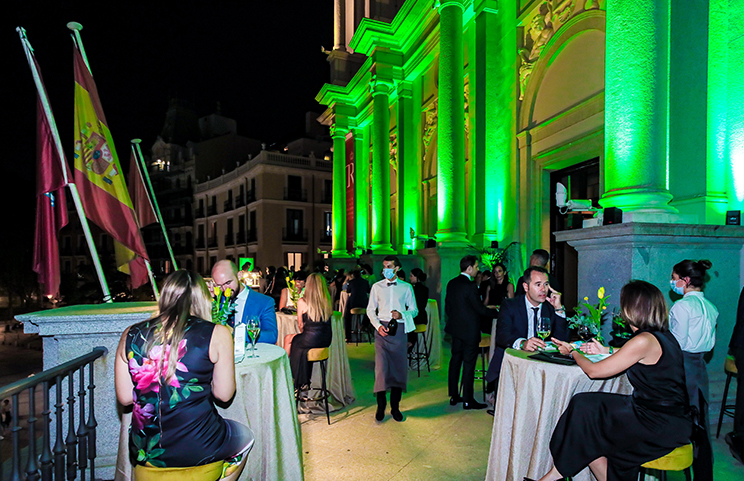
x=250, y=302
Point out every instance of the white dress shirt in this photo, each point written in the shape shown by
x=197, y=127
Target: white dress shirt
x=692, y=320
x=384, y=299
x=240, y=300
x=531, y=321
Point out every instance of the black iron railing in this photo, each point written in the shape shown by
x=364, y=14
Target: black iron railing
x=73, y=453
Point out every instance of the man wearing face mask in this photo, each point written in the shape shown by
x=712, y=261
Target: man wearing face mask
x=391, y=299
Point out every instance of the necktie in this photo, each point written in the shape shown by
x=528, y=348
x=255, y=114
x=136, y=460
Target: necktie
x=534, y=321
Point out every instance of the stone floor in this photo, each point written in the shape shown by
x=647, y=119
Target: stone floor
x=435, y=442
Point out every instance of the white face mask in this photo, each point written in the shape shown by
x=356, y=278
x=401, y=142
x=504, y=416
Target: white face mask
x=676, y=288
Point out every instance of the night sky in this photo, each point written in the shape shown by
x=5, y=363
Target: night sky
x=261, y=61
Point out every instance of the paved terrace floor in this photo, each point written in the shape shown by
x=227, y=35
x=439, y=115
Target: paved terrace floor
x=435, y=441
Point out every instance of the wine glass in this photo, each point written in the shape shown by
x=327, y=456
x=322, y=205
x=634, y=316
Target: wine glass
x=543, y=328
x=586, y=333
x=253, y=328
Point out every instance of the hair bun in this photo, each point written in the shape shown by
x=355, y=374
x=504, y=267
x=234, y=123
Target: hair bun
x=705, y=264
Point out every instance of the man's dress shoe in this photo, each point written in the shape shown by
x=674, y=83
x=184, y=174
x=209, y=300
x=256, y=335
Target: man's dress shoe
x=454, y=400
x=472, y=404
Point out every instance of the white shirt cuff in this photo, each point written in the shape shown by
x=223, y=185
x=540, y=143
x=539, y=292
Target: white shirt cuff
x=518, y=342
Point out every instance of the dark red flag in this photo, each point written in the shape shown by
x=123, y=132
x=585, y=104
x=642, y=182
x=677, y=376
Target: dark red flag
x=138, y=193
x=51, y=205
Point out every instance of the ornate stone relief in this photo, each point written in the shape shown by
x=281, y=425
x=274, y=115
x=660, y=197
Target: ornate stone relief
x=467, y=109
x=430, y=126
x=394, y=150
x=549, y=17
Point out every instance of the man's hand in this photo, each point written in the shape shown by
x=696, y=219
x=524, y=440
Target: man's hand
x=554, y=298
x=396, y=315
x=383, y=331
x=533, y=344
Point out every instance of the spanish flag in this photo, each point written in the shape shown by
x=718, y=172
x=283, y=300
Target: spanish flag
x=98, y=175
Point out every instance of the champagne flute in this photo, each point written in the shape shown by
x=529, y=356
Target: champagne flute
x=253, y=327
x=543, y=328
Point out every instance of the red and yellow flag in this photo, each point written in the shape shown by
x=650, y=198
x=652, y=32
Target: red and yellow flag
x=98, y=175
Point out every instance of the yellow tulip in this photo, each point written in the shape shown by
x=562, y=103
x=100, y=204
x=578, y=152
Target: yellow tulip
x=586, y=298
x=228, y=292
x=216, y=291
x=601, y=292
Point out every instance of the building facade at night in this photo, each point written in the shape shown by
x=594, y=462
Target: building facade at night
x=455, y=120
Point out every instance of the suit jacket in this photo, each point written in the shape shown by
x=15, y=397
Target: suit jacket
x=512, y=325
x=737, y=338
x=358, y=289
x=262, y=306
x=464, y=309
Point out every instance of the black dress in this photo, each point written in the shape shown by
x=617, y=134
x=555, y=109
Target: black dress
x=313, y=335
x=421, y=293
x=627, y=430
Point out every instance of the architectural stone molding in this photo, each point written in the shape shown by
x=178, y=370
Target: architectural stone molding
x=394, y=150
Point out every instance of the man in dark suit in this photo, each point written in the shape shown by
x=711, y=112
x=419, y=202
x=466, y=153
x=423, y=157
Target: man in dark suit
x=464, y=310
x=358, y=289
x=517, y=324
x=735, y=439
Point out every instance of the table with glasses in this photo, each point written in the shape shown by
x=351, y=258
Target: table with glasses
x=264, y=401
x=339, y=372
x=531, y=397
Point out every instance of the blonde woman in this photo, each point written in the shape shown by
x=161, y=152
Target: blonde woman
x=314, y=311
x=168, y=368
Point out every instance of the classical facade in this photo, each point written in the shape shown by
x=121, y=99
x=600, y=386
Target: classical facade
x=275, y=209
x=459, y=117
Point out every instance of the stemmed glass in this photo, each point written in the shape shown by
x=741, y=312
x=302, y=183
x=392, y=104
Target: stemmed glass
x=253, y=328
x=543, y=328
x=586, y=333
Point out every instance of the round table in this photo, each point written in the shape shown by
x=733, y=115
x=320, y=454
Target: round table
x=532, y=395
x=285, y=324
x=264, y=401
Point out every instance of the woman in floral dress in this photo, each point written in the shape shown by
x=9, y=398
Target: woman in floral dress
x=169, y=367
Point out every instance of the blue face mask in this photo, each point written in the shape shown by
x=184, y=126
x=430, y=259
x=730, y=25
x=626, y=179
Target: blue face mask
x=676, y=288
x=388, y=273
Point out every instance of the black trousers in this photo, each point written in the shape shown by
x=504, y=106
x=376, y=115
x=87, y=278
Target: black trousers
x=464, y=355
x=739, y=412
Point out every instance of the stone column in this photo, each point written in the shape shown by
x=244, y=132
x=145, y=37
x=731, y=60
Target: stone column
x=451, y=130
x=361, y=193
x=409, y=183
x=492, y=86
x=381, y=167
x=339, y=25
x=636, y=107
x=339, y=189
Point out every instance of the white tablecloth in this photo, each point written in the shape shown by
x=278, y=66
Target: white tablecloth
x=285, y=324
x=264, y=401
x=434, y=334
x=532, y=395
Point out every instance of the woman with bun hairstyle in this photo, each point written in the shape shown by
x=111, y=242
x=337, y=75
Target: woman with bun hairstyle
x=692, y=320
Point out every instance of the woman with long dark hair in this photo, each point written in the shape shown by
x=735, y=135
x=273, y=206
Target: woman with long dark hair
x=169, y=367
x=314, y=311
x=499, y=287
x=421, y=293
x=614, y=434
x=692, y=320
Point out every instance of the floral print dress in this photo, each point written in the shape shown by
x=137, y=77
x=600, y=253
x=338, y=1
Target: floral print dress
x=174, y=424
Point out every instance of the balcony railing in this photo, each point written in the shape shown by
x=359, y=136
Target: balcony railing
x=294, y=235
x=228, y=205
x=229, y=239
x=200, y=243
x=212, y=242
x=199, y=213
x=325, y=237
x=252, y=236
x=240, y=201
x=326, y=197
x=298, y=195
x=77, y=450
x=212, y=210
x=251, y=196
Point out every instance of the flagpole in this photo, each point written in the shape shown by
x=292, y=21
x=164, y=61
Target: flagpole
x=28, y=50
x=152, y=280
x=151, y=193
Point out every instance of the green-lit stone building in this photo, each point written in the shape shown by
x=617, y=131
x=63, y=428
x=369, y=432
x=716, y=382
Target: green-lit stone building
x=454, y=120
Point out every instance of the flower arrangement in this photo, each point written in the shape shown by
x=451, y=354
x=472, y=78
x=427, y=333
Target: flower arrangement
x=294, y=294
x=591, y=320
x=223, y=307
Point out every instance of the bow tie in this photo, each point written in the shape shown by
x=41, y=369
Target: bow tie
x=392, y=283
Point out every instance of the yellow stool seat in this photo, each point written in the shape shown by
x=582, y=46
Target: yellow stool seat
x=206, y=472
x=420, y=328
x=358, y=311
x=677, y=460
x=317, y=354
x=485, y=342
x=730, y=366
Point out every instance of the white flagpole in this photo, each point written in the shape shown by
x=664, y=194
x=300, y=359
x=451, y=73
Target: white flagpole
x=151, y=193
x=28, y=50
x=152, y=280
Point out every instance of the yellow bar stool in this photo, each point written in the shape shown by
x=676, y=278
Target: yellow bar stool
x=417, y=355
x=357, y=323
x=206, y=472
x=320, y=355
x=729, y=367
x=678, y=460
